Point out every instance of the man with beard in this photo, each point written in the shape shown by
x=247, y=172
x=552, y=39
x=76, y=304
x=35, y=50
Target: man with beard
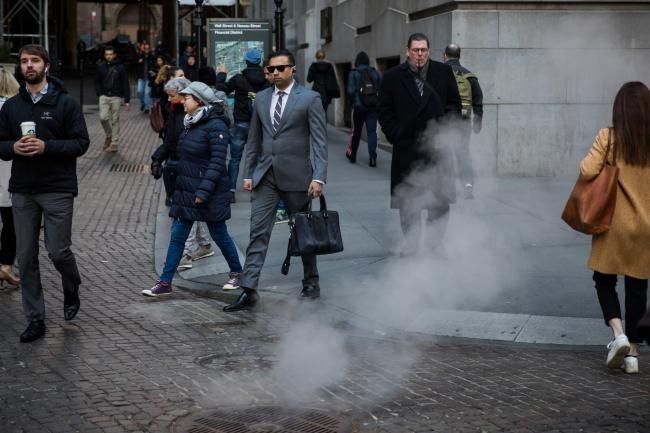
x=43, y=181
x=112, y=88
x=411, y=95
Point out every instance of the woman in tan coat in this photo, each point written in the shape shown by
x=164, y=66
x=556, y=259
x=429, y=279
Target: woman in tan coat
x=624, y=248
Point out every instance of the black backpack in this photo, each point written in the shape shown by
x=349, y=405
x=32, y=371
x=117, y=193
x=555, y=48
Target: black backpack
x=368, y=92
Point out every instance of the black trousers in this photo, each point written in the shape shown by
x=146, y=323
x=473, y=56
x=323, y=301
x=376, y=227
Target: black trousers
x=7, y=237
x=635, y=301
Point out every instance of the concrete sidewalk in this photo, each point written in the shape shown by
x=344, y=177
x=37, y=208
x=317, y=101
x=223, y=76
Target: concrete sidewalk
x=513, y=270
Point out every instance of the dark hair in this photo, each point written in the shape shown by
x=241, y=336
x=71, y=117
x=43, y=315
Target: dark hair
x=452, y=51
x=207, y=75
x=171, y=70
x=109, y=48
x=280, y=53
x=362, y=59
x=631, y=119
x=35, y=50
x=417, y=37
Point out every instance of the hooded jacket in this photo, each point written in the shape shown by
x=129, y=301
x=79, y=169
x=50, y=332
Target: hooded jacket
x=250, y=79
x=201, y=171
x=354, y=80
x=111, y=80
x=60, y=124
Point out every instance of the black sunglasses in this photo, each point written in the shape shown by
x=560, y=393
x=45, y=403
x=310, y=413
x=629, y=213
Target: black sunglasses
x=280, y=68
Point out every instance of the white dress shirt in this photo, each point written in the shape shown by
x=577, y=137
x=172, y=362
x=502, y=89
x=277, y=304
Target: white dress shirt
x=274, y=99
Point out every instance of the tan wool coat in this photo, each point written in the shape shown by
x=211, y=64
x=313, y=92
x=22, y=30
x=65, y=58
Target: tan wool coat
x=625, y=248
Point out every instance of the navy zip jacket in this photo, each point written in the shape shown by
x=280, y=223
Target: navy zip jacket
x=60, y=124
x=202, y=172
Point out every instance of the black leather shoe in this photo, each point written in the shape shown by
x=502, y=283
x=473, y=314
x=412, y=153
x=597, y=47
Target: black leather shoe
x=310, y=292
x=34, y=331
x=248, y=298
x=373, y=162
x=350, y=158
x=71, y=304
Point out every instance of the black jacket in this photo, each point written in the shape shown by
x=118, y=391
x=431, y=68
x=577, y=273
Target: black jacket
x=202, y=171
x=404, y=115
x=477, y=93
x=60, y=124
x=146, y=66
x=173, y=129
x=114, y=84
x=324, y=78
x=250, y=79
x=191, y=72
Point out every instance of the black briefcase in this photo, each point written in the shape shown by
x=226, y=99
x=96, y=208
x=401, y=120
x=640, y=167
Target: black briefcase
x=313, y=233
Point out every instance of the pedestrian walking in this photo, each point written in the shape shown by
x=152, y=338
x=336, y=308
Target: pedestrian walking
x=623, y=249
x=191, y=69
x=363, y=90
x=201, y=192
x=288, y=125
x=157, y=81
x=164, y=161
x=42, y=129
x=8, y=88
x=412, y=95
x=471, y=99
x=321, y=73
x=112, y=88
x=146, y=71
x=245, y=86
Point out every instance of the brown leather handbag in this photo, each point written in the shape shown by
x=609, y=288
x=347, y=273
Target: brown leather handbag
x=590, y=207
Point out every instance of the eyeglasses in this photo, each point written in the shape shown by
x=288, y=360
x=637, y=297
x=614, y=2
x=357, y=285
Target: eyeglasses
x=419, y=50
x=280, y=68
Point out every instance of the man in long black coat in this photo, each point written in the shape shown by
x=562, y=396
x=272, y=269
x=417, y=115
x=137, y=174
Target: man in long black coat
x=414, y=96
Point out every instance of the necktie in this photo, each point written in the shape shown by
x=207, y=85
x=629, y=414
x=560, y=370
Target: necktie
x=420, y=84
x=277, y=113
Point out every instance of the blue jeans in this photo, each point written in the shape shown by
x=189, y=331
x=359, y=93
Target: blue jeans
x=180, y=232
x=144, y=93
x=238, y=137
x=361, y=115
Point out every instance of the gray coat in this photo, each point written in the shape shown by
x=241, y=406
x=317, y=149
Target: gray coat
x=302, y=132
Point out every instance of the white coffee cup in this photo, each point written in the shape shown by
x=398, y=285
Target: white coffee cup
x=28, y=128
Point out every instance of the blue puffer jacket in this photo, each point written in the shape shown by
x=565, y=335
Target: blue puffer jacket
x=202, y=172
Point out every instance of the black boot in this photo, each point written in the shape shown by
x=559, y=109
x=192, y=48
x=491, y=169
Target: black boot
x=248, y=298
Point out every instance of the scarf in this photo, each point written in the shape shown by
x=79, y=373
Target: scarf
x=191, y=119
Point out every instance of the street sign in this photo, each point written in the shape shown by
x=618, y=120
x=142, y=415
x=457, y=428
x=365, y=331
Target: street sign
x=229, y=39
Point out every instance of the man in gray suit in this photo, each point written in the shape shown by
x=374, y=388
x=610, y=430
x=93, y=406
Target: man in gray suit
x=287, y=120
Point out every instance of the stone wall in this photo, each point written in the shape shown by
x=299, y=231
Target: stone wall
x=549, y=69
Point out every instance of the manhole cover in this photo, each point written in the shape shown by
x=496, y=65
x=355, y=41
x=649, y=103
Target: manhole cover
x=240, y=363
x=267, y=419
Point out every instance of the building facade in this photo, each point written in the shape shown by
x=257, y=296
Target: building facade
x=549, y=69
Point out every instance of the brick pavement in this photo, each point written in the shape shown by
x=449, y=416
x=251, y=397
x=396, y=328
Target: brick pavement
x=132, y=364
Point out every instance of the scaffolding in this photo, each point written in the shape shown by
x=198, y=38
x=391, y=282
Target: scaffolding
x=24, y=21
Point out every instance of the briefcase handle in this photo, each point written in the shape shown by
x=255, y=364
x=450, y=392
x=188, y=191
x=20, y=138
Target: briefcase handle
x=323, y=205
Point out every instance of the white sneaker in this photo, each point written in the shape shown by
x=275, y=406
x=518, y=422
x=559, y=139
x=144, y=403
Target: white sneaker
x=618, y=349
x=631, y=365
x=185, y=263
x=203, y=252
